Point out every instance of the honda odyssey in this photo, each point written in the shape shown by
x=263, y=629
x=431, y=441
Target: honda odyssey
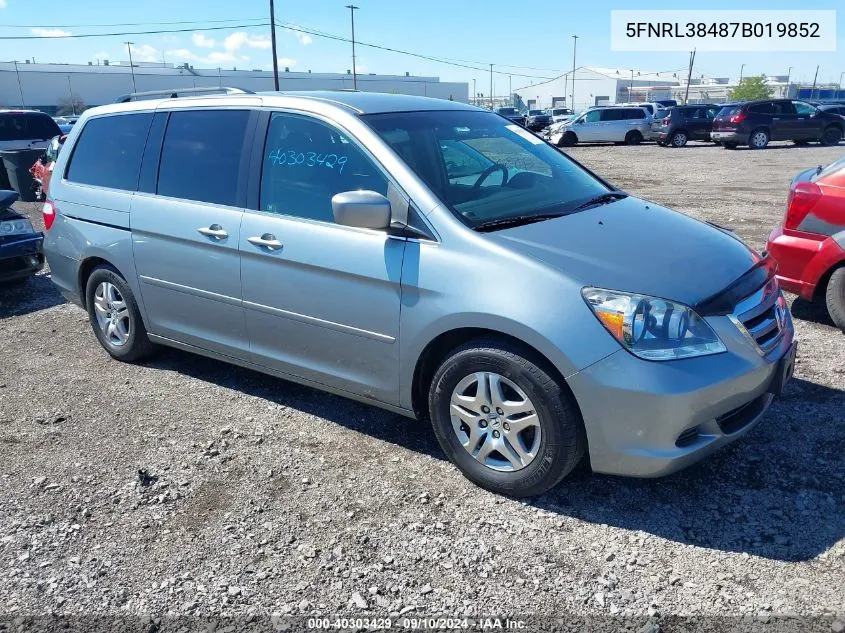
x=427, y=257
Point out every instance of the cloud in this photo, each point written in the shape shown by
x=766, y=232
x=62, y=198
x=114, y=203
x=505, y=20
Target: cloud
x=180, y=53
x=303, y=38
x=288, y=62
x=102, y=56
x=214, y=57
x=145, y=53
x=202, y=41
x=2, y=4
x=50, y=32
x=239, y=39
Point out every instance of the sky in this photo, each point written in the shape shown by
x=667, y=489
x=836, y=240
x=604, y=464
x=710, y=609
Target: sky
x=526, y=42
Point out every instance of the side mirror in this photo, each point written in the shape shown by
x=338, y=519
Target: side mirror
x=362, y=209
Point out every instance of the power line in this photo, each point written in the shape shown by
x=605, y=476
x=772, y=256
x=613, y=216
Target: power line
x=76, y=26
x=122, y=33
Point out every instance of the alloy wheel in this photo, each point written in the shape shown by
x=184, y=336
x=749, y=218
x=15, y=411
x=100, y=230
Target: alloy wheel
x=495, y=421
x=112, y=314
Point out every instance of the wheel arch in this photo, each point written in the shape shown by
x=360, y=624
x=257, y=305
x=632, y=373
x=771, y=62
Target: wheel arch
x=440, y=346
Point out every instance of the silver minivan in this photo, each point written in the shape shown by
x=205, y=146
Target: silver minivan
x=612, y=124
x=427, y=257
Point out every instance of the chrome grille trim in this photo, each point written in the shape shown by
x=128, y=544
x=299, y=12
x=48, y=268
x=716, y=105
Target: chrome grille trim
x=756, y=317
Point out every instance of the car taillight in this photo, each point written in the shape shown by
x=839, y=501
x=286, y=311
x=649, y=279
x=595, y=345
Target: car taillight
x=739, y=117
x=49, y=213
x=801, y=199
x=666, y=121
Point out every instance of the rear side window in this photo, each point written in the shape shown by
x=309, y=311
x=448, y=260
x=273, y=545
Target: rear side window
x=108, y=152
x=727, y=111
x=201, y=155
x=24, y=126
x=612, y=114
x=761, y=108
x=634, y=113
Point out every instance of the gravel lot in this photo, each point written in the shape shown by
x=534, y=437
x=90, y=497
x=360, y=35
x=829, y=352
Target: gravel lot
x=258, y=496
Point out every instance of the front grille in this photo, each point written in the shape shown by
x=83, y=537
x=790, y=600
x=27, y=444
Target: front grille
x=762, y=316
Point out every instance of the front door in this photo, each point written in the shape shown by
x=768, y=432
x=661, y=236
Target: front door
x=808, y=126
x=784, y=121
x=589, y=129
x=186, y=231
x=321, y=300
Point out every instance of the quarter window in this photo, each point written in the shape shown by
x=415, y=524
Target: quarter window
x=108, y=152
x=634, y=113
x=306, y=162
x=201, y=155
x=612, y=115
x=804, y=108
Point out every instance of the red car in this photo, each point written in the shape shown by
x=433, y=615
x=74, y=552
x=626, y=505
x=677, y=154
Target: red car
x=810, y=246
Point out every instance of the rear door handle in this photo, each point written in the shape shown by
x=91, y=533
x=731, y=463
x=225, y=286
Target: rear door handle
x=215, y=230
x=268, y=240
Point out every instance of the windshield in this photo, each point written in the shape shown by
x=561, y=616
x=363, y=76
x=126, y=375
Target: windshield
x=483, y=167
x=727, y=111
x=535, y=112
x=506, y=111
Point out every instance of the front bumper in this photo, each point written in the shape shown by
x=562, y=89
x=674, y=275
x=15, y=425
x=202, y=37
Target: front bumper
x=20, y=257
x=739, y=138
x=648, y=419
x=803, y=258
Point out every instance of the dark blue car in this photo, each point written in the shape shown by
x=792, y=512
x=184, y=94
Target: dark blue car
x=20, y=244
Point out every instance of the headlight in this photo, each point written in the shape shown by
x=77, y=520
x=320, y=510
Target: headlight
x=652, y=328
x=15, y=227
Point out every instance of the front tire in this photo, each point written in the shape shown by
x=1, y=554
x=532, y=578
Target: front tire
x=633, y=138
x=835, y=297
x=503, y=420
x=114, y=316
x=568, y=140
x=758, y=139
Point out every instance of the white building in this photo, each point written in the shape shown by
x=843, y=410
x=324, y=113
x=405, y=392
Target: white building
x=595, y=85
x=43, y=86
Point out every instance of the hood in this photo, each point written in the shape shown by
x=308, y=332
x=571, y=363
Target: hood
x=635, y=246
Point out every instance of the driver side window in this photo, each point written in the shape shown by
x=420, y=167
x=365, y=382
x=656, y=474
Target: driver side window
x=593, y=116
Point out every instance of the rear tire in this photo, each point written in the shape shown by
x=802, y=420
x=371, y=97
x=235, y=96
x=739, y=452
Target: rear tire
x=114, y=316
x=633, y=138
x=532, y=460
x=679, y=139
x=568, y=140
x=758, y=139
x=835, y=297
x=831, y=136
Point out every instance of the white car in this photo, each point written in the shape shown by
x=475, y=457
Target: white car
x=617, y=124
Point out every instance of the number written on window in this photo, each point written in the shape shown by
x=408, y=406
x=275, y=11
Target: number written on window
x=280, y=157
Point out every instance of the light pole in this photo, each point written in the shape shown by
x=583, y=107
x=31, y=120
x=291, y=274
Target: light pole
x=491, y=86
x=20, y=88
x=131, y=65
x=474, y=92
x=574, y=48
x=815, y=77
x=510, y=89
x=741, y=68
x=70, y=89
x=838, y=87
x=273, y=46
x=788, y=75
x=352, y=8
x=631, y=87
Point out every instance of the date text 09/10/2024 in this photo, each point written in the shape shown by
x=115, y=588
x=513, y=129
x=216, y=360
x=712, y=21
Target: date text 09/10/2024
x=418, y=623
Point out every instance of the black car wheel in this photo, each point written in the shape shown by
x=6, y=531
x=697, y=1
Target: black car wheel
x=835, y=297
x=831, y=136
x=679, y=139
x=758, y=139
x=633, y=138
x=503, y=419
x=568, y=140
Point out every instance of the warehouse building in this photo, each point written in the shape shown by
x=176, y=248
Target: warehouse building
x=47, y=87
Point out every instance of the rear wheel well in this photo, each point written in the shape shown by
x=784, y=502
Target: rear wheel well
x=821, y=287
x=438, y=349
x=85, y=269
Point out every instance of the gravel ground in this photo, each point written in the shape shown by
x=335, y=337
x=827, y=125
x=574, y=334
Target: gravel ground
x=186, y=486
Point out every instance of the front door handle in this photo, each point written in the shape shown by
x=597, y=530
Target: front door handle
x=268, y=240
x=215, y=230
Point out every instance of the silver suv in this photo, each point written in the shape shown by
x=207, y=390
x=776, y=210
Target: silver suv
x=427, y=257
x=613, y=124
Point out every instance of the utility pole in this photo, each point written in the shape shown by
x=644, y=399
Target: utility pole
x=70, y=89
x=219, y=78
x=813, y=89
x=20, y=88
x=574, y=48
x=352, y=8
x=510, y=89
x=689, y=75
x=491, y=86
x=131, y=65
x=474, y=92
x=631, y=87
x=788, y=75
x=273, y=45
x=741, y=68
x=838, y=87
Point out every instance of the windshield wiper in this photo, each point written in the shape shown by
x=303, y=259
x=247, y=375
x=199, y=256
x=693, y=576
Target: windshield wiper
x=605, y=198
x=518, y=220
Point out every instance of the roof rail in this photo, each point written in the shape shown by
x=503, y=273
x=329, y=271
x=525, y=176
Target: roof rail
x=180, y=92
